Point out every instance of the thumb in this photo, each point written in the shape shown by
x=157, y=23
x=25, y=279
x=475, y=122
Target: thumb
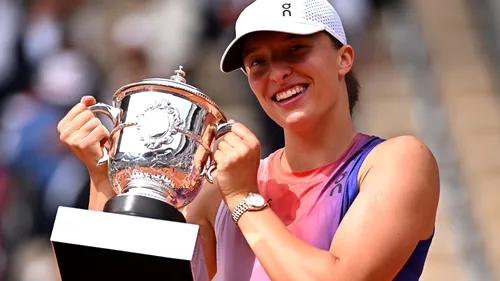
x=88, y=100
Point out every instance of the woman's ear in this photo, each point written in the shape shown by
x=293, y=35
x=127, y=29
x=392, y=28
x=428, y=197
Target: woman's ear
x=346, y=57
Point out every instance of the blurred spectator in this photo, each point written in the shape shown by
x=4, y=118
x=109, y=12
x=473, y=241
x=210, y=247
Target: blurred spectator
x=12, y=64
x=30, y=145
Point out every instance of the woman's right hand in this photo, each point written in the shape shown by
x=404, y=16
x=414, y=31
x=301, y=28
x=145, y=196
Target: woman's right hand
x=86, y=136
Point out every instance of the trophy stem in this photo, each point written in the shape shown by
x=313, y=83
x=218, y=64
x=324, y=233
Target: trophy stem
x=142, y=206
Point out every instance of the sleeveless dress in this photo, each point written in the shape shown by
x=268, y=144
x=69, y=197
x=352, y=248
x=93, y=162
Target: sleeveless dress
x=319, y=199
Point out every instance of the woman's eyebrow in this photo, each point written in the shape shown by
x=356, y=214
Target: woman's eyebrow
x=248, y=51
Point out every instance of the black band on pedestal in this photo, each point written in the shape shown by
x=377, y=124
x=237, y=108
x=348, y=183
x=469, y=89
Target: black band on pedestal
x=142, y=206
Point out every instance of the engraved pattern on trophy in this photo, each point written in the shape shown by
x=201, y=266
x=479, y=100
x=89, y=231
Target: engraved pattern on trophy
x=188, y=159
x=162, y=113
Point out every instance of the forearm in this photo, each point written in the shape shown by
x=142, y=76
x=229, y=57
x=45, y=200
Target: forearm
x=98, y=197
x=283, y=255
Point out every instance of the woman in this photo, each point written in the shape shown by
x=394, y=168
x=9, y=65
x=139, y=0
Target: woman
x=342, y=205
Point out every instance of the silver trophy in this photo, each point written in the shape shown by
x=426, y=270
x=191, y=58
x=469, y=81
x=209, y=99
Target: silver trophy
x=161, y=146
x=160, y=153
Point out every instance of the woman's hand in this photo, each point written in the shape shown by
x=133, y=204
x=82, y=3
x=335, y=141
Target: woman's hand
x=86, y=136
x=238, y=158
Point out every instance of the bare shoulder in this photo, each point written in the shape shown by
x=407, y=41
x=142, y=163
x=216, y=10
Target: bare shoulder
x=405, y=168
x=204, y=207
x=404, y=153
x=409, y=146
x=395, y=209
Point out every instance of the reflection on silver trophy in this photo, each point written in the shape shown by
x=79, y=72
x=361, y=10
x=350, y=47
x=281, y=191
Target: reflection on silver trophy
x=162, y=139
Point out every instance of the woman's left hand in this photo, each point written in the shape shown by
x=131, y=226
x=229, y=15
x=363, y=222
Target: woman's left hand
x=238, y=158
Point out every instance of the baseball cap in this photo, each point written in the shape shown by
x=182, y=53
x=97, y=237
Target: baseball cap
x=300, y=17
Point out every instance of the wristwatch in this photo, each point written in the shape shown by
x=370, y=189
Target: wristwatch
x=253, y=202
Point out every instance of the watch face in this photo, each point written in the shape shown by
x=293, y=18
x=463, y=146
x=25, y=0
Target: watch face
x=255, y=200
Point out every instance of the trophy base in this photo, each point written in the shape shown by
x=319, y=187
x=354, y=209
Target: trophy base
x=92, y=245
x=142, y=206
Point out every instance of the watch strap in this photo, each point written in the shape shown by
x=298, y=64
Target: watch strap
x=240, y=209
x=245, y=206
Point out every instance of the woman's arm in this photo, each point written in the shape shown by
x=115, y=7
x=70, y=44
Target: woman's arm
x=396, y=208
x=100, y=192
x=202, y=212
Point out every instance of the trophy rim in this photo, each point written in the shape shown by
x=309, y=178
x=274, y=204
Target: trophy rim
x=123, y=91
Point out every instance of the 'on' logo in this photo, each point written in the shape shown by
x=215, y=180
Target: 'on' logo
x=286, y=9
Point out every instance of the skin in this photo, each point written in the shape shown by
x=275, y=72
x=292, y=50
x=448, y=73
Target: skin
x=399, y=180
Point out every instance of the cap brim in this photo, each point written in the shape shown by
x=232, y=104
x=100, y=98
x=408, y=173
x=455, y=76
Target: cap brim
x=232, y=57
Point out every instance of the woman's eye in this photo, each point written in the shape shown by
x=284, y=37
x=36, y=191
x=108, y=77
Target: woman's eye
x=297, y=48
x=256, y=63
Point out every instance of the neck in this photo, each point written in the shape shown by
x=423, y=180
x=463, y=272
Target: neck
x=322, y=143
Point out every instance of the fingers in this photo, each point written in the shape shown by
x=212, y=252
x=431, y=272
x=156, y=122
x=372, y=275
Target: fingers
x=84, y=134
x=232, y=141
x=99, y=135
x=75, y=111
x=225, y=148
x=240, y=139
x=91, y=126
x=231, y=148
x=90, y=143
x=78, y=123
x=245, y=134
x=220, y=159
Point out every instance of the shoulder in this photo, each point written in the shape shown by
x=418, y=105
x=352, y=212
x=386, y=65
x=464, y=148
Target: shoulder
x=268, y=163
x=404, y=153
x=269, y=159
x=405, y=170
x=396, y=206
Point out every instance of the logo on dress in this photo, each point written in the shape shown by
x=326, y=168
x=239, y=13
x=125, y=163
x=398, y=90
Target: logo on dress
x=338, y=184
x=286, y=9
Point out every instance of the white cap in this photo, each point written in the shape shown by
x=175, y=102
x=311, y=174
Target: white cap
x=301, y=17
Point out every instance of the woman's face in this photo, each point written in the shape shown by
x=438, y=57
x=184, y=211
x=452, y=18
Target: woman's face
x=297, y=79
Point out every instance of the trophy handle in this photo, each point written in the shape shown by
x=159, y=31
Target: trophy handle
x=220, y=131
x=112, y=113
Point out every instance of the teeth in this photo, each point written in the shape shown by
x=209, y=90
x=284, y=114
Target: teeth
x=291, y=92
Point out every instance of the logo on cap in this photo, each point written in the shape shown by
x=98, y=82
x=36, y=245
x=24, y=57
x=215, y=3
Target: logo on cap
x=286, y=9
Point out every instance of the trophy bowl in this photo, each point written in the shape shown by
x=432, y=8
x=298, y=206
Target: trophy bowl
x=160, y=146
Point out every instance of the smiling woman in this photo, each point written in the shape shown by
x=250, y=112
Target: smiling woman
x=285, y=95
x=334, y=203
x=296, y=52
x=357, y=206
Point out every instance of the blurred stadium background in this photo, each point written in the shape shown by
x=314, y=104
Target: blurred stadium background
x=428, y=68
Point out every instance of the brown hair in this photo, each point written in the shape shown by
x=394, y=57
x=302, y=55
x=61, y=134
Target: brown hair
x=351, y=81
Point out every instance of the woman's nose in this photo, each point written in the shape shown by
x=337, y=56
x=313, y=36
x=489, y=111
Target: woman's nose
x=279, y=72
